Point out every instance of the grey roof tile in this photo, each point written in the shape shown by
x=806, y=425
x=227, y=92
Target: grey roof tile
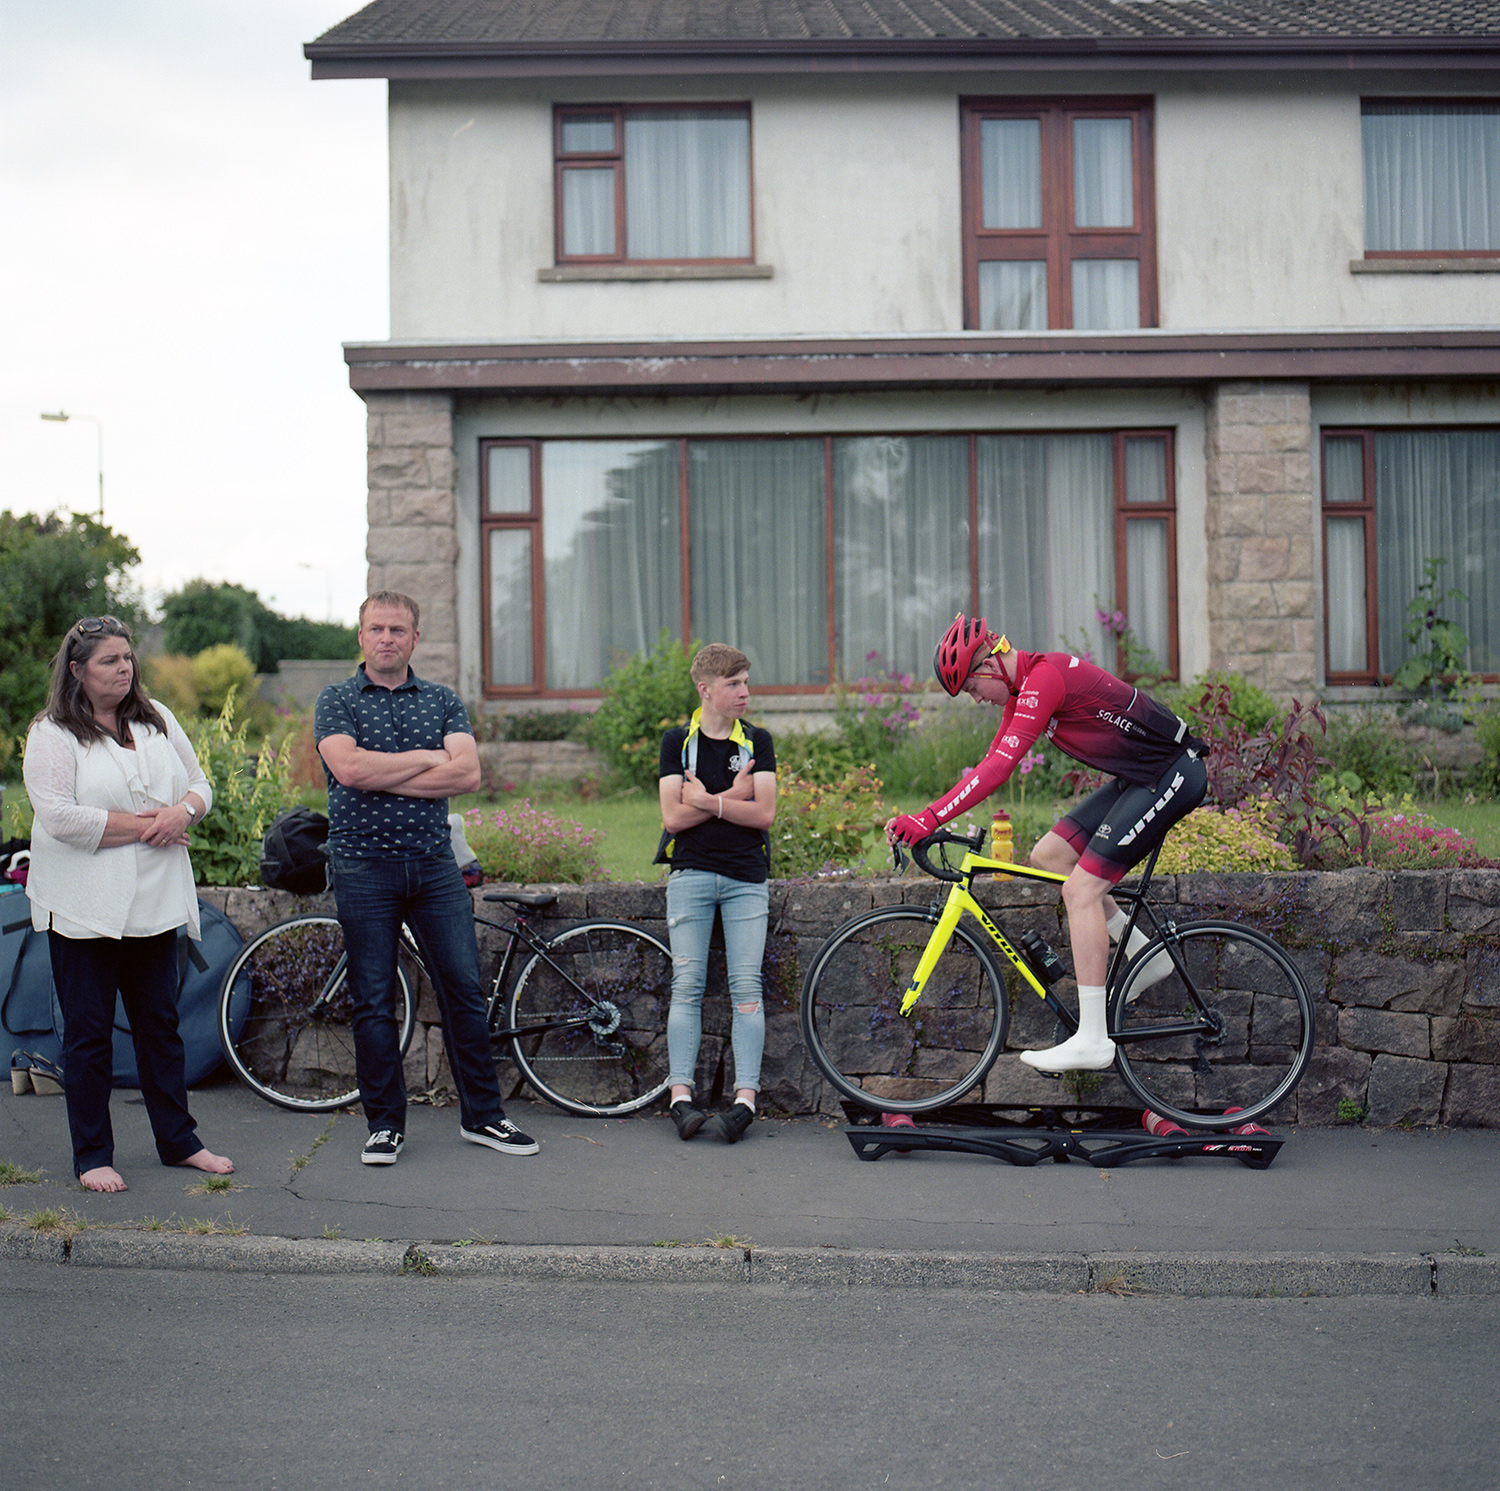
x=492, y=22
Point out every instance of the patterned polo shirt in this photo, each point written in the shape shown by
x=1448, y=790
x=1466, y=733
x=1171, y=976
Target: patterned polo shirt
x=414, y=717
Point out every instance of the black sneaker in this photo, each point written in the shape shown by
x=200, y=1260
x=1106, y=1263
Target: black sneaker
x=687, y=1118
x=502, y=1135
x=734, y=1125
x=383, y=1146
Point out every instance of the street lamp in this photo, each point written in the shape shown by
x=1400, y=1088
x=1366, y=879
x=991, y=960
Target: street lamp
x=98, y=424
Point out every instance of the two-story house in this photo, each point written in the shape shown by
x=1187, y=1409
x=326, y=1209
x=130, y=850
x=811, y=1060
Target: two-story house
x=805, y=324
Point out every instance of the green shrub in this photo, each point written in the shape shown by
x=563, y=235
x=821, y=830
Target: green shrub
x=1229, y=693
x=540, y=724
x=813, y=756
x=647, y=695
x=1487, y=732
x=1215, y=839
x=1365, y=748
x=249, y=791
x=219, y=672
x=169, y=677
x=931, y=758
x=526, y=845
x=824, y=826
x=877, y=712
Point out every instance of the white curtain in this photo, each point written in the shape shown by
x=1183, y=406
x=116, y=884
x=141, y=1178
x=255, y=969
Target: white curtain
x=1012, y=295
x=510, y=606
x=1347, y=600
x=1046, y=540
x=757, y=554
x=1432, y=178
x=901, y=548
x=1437, y=495
x=1106, y=294
x=611, y=520
x=588, y=210
x=1103, y=175
x=687, y=185
x=1010, y=173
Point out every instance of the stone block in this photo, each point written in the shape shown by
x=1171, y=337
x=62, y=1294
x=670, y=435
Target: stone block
x=1264, y=559
x=1474, y=902
x=1293, y=435
x=1419, y=899
x=1481, y=977
x=377, y=507
x=396, y=466
x=1235, y=515
x=1380, y=1030
x=1332, y=1076
x=418, y=429
x=1290, y=675
x=1379, y=981
x=1293, y=597
x=441, y=468
x=1300, y=564
x=1259, y=474
x=1246, y=600
x=427, y=584
x=1473, y=1097
x=409, y=545
x=1471, y=1038
x=1296, y=467
x=420, y=506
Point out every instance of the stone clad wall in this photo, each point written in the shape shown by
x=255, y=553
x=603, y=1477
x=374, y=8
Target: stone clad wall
x=1260, y=518
x=1404, y=970
x=412, y=544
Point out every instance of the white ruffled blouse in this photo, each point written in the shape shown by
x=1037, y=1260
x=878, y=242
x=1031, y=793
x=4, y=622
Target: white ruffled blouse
x=132, y=890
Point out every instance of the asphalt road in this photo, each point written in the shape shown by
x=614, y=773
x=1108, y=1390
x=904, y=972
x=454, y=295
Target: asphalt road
x=127, y=1378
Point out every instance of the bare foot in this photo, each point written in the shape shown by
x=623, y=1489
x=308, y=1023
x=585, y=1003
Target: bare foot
x=102, y=1178
x=214, y=1164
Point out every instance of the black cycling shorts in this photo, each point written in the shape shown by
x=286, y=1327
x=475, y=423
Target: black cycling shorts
x=1120, y=824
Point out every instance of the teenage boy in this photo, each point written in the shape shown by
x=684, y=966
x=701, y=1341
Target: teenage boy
x=718, y=799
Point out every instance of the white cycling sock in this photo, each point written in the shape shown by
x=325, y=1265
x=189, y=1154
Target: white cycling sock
x=1154, y=971
x=1090, y=1050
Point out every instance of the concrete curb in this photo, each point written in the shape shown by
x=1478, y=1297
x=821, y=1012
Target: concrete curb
x=1218, y=1275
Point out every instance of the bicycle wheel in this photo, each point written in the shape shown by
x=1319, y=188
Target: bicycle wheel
x=1254, y=1035
x=285, y=1015
x=851, y=1012
x=590, y=1019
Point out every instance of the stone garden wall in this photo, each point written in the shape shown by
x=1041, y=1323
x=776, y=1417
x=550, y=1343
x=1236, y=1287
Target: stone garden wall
x=1404, y=970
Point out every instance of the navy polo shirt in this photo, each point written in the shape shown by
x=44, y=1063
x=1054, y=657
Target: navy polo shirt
x=414, y=717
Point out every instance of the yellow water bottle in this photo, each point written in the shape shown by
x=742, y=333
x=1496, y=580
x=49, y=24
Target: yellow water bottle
x=1001, y=842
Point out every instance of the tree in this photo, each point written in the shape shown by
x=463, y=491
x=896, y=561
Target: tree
x=203, y=615
x=53, y=570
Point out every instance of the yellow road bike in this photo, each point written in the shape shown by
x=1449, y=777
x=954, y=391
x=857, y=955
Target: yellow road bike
x=905, y=1009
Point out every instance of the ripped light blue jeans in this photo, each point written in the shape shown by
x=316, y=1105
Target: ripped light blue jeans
x=692, y=896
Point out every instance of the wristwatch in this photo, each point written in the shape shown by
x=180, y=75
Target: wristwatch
x=191, y=812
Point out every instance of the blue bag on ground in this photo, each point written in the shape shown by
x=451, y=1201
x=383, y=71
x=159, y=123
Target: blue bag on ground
x=31, y=1018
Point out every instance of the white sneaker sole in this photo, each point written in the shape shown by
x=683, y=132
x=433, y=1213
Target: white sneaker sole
x=495, y=1144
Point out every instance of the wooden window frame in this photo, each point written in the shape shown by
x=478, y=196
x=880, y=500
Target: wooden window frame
x=1125, y=511
x=616, y=160
x=535, y=520
x=1057, y=241
x=1469, y=105
x=1364, y=509
x=530, y=520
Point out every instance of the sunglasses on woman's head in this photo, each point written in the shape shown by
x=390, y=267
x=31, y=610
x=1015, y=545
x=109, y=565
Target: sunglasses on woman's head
x=91, y=626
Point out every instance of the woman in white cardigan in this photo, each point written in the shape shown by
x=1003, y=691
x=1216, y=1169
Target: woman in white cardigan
x=114, y=787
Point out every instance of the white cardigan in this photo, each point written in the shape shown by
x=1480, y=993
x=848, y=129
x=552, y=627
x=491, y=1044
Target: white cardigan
x=73, y=789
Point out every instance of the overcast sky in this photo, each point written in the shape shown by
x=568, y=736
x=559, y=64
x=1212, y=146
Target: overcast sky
x=189, y=229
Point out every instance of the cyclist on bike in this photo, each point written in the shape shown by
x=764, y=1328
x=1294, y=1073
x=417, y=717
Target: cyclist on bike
x=1097, y=719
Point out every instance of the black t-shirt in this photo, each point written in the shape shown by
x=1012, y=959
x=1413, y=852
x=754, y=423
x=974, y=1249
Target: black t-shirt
x=719, y=846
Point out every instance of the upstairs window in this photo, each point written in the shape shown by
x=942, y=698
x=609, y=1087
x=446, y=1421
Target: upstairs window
x=1059, y=215
x=653, y=185
x=1432, y=179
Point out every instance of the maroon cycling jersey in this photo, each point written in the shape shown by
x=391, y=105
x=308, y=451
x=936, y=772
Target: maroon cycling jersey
x=1087, y=714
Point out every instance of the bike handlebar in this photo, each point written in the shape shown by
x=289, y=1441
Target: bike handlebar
x=973, y=841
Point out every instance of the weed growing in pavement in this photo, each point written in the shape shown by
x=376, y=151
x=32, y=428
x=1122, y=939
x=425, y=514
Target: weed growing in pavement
x=333, y=1232
x=1351, y=1112
x=1115, y=1283
x=1461, y=1250
x=55, y=1219
x=417, y=1262
x=212, y=1185
x=14, y=1175
x=668, y=1243
x=729, y=1240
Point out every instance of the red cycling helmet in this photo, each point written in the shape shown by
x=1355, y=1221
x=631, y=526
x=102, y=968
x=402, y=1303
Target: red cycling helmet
x=957, y=653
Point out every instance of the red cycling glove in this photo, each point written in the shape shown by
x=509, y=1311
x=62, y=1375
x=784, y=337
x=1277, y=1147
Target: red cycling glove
x=910, y=827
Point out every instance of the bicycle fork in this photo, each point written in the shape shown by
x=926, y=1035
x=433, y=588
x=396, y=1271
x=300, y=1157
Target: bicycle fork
x=959, y=901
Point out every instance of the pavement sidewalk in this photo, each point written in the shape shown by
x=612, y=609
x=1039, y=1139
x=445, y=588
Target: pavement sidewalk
x=1340, y=1211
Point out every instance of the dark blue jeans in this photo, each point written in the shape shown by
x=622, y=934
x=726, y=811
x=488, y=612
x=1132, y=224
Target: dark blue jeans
x=426, y=892
x=87, y=971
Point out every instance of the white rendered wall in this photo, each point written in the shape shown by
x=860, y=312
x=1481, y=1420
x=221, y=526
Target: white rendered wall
x=1259, y=192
